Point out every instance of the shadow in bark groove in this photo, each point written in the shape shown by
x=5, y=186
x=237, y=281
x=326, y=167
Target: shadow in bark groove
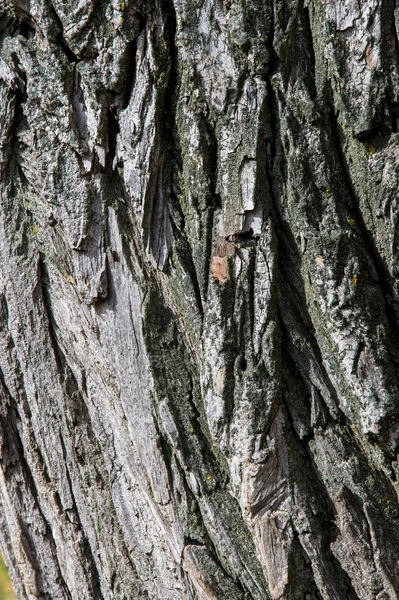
x=15, y=466
x=386, y=281
x=70, y=55
x=131, y=63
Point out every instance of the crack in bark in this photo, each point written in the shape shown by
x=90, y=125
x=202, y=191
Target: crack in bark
x=27, y=537
x=131, y=62
x=68, y=52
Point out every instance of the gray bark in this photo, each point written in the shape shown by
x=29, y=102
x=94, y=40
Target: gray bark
x=199, y=330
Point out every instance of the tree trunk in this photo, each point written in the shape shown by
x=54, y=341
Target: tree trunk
x=199, y=313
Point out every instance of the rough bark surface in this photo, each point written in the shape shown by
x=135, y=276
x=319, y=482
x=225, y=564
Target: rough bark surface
x=199, y=315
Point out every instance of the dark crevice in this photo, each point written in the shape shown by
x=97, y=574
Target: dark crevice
x=297, y=401
x=290, y=276
x=188, y=541
x=389, y=39
x=67, y=51
x=80, y=412
x=167, y=454
x=273, y=61
x=90, y=567
x=248, y=292
x=44, y=284
x=113, y=130
x=238, y=584
x=69, y=481
x=8, y=22
x=382, y=487
x=42, y=461
x=307, y=37
x=27, y=29
x=207, y=541
x=209, y=544
x=206, y=446
x=393, y=108
x=211, y=163
x=27, y=537
x=28, y=544
x=19, y=120
x=71, y=56
x=197, y=290
x=216, y=201
x=131, y=58
x=78, y=114
x=243, y=237
x=287, y=317
x=161, y=204
x=183, y=250
x=302, y=574
x=171, y=94
x=385, y=280
x=5, y=387
x=310, y=482
x=130, y=72
x=166, y=349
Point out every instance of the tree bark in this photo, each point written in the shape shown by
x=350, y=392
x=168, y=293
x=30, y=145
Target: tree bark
x=199, y=276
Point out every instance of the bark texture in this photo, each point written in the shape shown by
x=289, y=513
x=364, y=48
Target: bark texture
x=199, y=315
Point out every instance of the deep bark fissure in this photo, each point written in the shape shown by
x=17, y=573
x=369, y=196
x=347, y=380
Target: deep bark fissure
x=217, y=418
x=68, y=52
x=27, y=537
x=132, y=64
x=85, y=544
x=385, y=279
